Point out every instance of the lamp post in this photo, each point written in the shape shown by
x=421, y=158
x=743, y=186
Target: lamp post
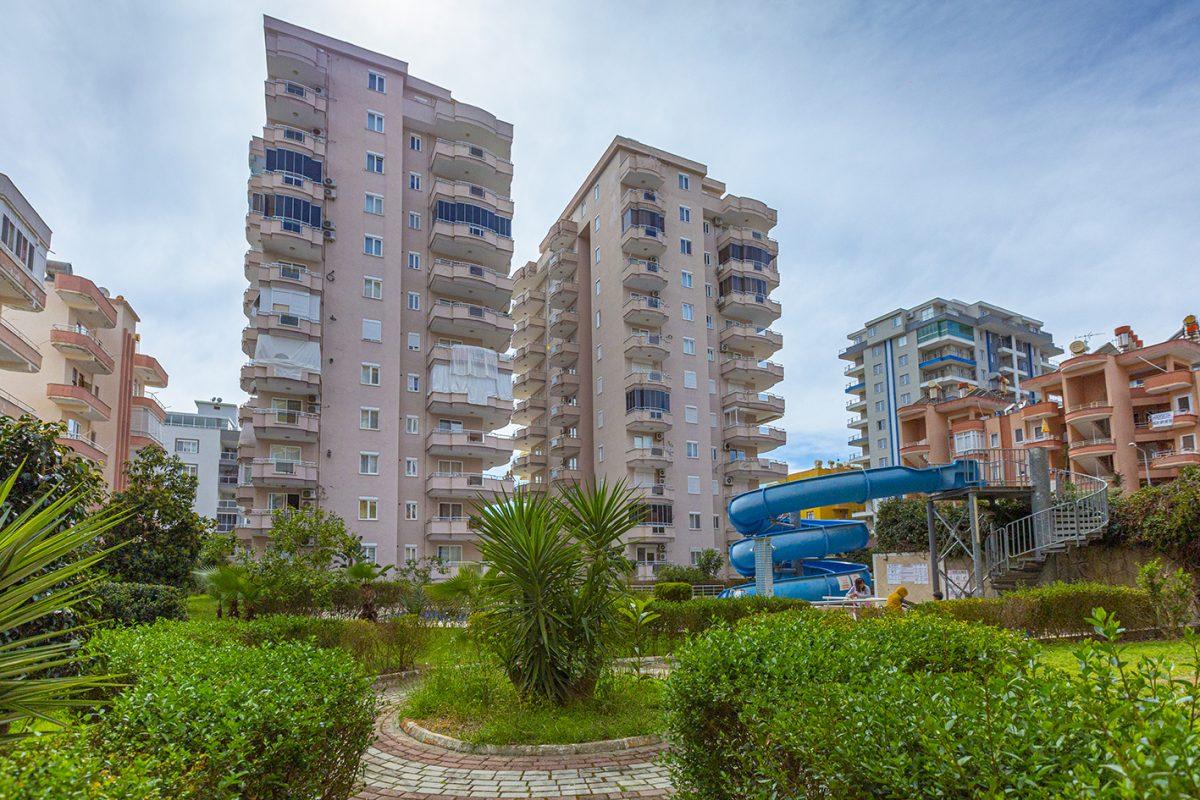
x=1145, y=459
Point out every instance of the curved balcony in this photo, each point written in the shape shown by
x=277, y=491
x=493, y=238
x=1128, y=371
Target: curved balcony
x=564, y=323
x=464, y=320
x=564, y=414
x=529, y=383
x=492, y=449
x=564, y=382
x=528, y=277
x=751, y=339
x=760, y=469
x=1173, y=381
x=260, y=270
x=528, y=303
x=449, y=529
x=78, y=401
x=529, y=412
x=257, y=520
x=747, y=212
x=1042, y=410
x=528, y=332
x=276, y=323
x=289, y=55
x=644, y=198
x=19, y=288
x=82, y=348
x=492, y=413
x=760, y=437
x=563, y=293
x=459, y=121
x=564, y=475
x=645, y=311
x=466, y=486
x=656, y=456
x=1173, y=459
x=736, y=234
x=286, y=183
x=472, y=193
x=758, y=375
x=564, y=354
x=528, y=357
x=562, y=234
x=642, y=275
x=966, y=425
x=565, y=446
x=470, y=282
x=651, y=379
x=527, y=464
x=17, y=352
x=657, y=492
x=150, y=406
x=1089, y=412
x=462, y=241
x=297, y=139
x=764, y=407
x=757, y=309
x=257, y=378
x=644, y=241
x=750, y=269
x=920, y=447
x=1050, y=441
x=647, y=346
x=471, y=163
x=1100, y=446
x=641, y=171
x=1083, y=364
x=268, y=472
x=283, y=425
x=529, y=439
x=85, y=299
x=647, y=420
x=82, y=446
x=443, y=354
x=285, y=238
x=295, y=104
x=562, y=264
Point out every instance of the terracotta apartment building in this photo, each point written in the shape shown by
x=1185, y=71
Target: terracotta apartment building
x=379, y=225
x=642, y=333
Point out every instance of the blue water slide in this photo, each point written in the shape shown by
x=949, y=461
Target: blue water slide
x=800, y=548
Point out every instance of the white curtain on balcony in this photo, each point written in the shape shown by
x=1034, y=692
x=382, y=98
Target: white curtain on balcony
x=302, y=304
x=289, y=358
x=473, y=371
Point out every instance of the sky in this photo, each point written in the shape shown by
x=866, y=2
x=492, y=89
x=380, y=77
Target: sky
x=1040, y=156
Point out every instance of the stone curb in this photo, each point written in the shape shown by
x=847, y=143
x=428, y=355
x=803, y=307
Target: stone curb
x=427, y=736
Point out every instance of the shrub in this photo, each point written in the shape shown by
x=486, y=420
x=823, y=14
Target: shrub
x=64, y=766
x=1172, y=595
x=1165, y=518
x=140, y=603
x=678, y=573
x=673, y=592
x=277, y=720
x=1051, y=610
x=700, y=613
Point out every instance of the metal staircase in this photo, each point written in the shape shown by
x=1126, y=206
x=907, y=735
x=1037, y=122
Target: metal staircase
x=1079, y=516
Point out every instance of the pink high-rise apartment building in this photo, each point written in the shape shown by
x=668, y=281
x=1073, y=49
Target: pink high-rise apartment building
x=642, y=333
x=380, y=241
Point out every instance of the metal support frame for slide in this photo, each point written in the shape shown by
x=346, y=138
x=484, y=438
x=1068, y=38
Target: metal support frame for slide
x=962, y=540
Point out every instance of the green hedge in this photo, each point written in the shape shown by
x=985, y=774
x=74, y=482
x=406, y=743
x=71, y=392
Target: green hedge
x=1051, y=610
x=917, y=706
x=700, y=613
x=673, y=592
x=140, y=603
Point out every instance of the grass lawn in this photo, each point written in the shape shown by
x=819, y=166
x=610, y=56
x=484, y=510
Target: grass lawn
x=1061, y=656
x=201, y=606
x=445, y=646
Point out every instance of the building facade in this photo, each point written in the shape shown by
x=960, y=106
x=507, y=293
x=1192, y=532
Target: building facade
x=641, y=343
x=926, y=351
x=207, y=442
x=380, y=242
x=24, y=244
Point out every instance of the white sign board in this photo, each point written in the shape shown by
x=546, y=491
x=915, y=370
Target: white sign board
x=956, y=580
x=1163, y=419
x=907, y=573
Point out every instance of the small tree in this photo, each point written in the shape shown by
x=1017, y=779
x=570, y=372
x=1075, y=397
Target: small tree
x=162, y=532
x=365, y=574
x=312, y=537
x=1172, y=594
x=637, y=614
x=46, y=470
x=710, y=562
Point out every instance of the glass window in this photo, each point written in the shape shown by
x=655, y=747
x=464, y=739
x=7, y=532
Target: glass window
x=376, y=82
x=375, y=121
x=368, y=508
x=373, y=204
x=689, y=346
x=693, y=449
x=412, y=425
x=685, y=246
x=414, y=382
x=414, y=143
x=689, y=312
x=410, y=468
x=372, y=288
x=414, y=341
x=414, y=301
x=369, y=375
x=414, y=260
x=372, y=330
x=685, y=214
x=374, y=162
x=373, y=245
x=368, y=463
x=414, y=181
x=368, y=419
x=189, y=446
x=685, y=182
x=414, y=220
x=685, y=279
x=411, y=513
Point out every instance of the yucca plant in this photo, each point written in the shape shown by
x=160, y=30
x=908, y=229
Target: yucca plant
x=43, y=571
x=555, y=576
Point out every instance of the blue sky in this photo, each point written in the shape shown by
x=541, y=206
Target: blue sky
x=1041, y=156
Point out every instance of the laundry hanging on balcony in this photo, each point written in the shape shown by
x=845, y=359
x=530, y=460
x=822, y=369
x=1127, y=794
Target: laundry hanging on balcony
x=473, y=371
x=288, y=358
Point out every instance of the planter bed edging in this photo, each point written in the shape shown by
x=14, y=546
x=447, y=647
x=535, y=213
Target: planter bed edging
x=427, y=736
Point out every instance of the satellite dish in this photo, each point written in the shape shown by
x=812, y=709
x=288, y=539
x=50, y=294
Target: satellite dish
x=1078, y=347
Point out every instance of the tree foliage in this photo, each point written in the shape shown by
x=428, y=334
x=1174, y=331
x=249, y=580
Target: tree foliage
x=46, y=469
x=1165, y=518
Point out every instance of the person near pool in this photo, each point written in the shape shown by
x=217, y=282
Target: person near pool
x=896, y=601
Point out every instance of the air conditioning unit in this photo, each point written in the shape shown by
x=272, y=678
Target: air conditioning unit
x=725, y=446
x=328, y=225
x=729, y=480
x=330, y=236
x=330, y=183
x=330, y=194
x=658, y=437
x=724, y=348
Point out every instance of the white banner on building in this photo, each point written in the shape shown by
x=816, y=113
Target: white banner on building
x=907, y=573
x=1163, y=419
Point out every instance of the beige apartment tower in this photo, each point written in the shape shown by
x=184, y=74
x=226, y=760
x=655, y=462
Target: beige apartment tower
x=642, y=333
x=380, y=237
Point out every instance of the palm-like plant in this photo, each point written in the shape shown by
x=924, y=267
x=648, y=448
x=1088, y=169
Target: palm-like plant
x=463, y=591
x=555, y=574
x=42, y=573
x=365, y=573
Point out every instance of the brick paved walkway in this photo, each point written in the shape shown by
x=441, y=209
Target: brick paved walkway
x=398, y=766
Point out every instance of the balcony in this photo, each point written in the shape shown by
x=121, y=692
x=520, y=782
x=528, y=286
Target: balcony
x=1050, y=441
x=563, y=324
x=283, y=273
x=648, y=379
x=656, y=492
x=528, y=463
x=529, y=383
x=642, y=172
x=746, y=237
x=472, y=193
x=84, y=447
x=528, y=332
x=528, y=357
x=296, y=105
x=470, y=163
x=464, y=241
x=301, y=141
x=642, y=275
x=449, y=529
x=854, y=387
x=857, y=440
x=1089, y=412
x=492, y=413
x=917, y=447
x=758, y=375
x=760, y=437
x=856, y=422
x=281, y=237
x=78, y=401
x=562, y=264
x=1173, y=459
x=467, y=486
x=565, y=414
x=282, y=424
x=562, y=234
x=150, y=405
x=751, y=339
x=565, y=446
x=760, y=469
x=82, y=348
x=471, y=282
x=493, y=449
x=650, y=533
x=85, y=299
x=257, y=378
x=443, y=354
x=1042, y=410
x=257, y=520
x=464, y=320
x=1174, y=381
x=17, y=352
x=765, y=407
x=643, y=241
x=860, y=404
x=647, y=420
x=296, y=58
x=268, y=472
x=564, y=354
x=563, y=382
x=563, y=294
x=280, y=182
x=647, y=346
x=854, y=369
x=276, y=323
x=528, y=303
x=757, y=309
x=749, y=269
x=529, y=439
x=645, y=311
x=19, y=288
x=1083, y=364
x=10, y=406
x=746, y=212
x=560, y=476
x=529, y=412
x=654, y=457
x=528, y=277
x=458, y=121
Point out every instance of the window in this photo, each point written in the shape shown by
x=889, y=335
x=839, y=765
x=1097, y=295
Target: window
x=415, y=143
x=191, y=469
x=902, y=360
x=449, y=553
x=904, y=379
x=414, y=181
x=689, y=379
x=600, y=452
x=685, y=214
x=412, y=425
x=414, y=260
x=694, y=521
x=905, y=398
x=414, y=220
x=881, y=442
x=880, y=405
x=596, y=192
x=897, y=322
x=693, y=449
x=691, y=414
x=368, y=419
x=902, y=341
x=880, y=424
x=376, y=82
x=414, y=382
x=368, y=508
x=693, y=484
x=372, y=330
x=596, y=256
x=685, y=246
x=877, y=350
x=1187, y=443
x=870, y=333
x=711, y=353
x=368, y=463
x=596, y=223
x=685, y=279
x=877, y=369
x=369, y=553
x=189, y=446
x=712, y=418
x=410, y=552
x=373, y=204
x=410, y=514
x=600, y=385
x=1183, y=404
x=414, y=341
x=878, y=388
x=689, y=312
x=375, y=121
x=708, y=321
x=414, y=301
x=596, y=287
x=599, y=352
x=597, y=319
x=369, y=375
x=372, y=288
x=708, y=263
x=685, y=182
x=600, y=418
x=689, y=346
x=994, y=440
x=410, y=468
x=375, y=163
x=373, y=245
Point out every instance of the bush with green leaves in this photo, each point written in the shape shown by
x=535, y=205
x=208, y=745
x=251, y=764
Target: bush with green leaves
x=66, y=766
x=1164, y=517
x=678, y=619
x=673, y=592
x=916, y=706
x=1055, y=609
x=139, y=603
x=679, y=573
x=1172, y=595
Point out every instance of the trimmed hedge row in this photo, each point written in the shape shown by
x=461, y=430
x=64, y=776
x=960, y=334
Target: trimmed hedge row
x=140, y=603
x=1052, y=610
x=673, y=591
x=701, y=613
